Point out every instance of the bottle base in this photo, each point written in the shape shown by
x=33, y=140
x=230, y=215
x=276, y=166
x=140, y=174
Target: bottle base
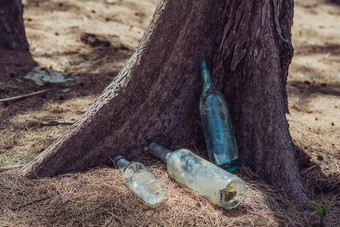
x=233, y=194
x=233, y=165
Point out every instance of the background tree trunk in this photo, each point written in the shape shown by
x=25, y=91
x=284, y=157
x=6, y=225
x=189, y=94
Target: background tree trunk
x=12, y=31
x=155, y=97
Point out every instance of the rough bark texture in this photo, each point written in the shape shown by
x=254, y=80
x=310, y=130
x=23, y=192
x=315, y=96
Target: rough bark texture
x=12, y=31
x=155, y=97
x=251, y=68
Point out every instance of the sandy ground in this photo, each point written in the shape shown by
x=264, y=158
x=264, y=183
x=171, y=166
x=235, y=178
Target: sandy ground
x=88, y=42
x=314, y=87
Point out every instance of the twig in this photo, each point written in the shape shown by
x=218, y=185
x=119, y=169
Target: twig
x=23, y=96
x=30, y=203
x=10, y=167
x=49, y=123
x=307, y=170
x=60, y=206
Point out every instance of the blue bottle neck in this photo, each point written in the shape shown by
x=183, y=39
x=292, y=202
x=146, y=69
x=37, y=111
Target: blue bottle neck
x=207, y=82
x=121, y=162
x=159, y=151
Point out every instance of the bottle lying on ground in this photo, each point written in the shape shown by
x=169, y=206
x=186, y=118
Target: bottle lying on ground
x=144, y=183
x=218, y=131
x=220, y=186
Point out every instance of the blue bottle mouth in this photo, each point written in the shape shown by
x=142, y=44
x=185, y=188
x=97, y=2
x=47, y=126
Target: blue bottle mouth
x=119, y=157
x=203, y=64
x=233, y=165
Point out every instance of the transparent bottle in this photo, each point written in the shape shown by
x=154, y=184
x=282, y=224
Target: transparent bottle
x=216, y=122
x=220, y=186
x=144, y=183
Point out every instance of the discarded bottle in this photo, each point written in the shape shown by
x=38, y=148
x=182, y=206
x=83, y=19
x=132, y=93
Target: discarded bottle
x=144, y=183
x=220, y=186
x=218, y=131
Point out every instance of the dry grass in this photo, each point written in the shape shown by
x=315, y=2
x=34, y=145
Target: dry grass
x=100, y=198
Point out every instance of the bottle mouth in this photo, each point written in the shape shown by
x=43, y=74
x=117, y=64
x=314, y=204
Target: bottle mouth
x=233, y=194
x=233, y=165
x=119, y=157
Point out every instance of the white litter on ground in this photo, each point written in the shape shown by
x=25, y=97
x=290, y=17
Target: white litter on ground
x=300, y=74
x=41, y=75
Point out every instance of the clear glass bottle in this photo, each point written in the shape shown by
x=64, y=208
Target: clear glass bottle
x=220, y=186
x=144, y=183
x=216, y=122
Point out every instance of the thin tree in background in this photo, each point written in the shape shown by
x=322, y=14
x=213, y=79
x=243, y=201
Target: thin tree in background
x=12, y=32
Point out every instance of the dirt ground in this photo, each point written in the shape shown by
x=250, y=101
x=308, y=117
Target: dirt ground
x=82, y=45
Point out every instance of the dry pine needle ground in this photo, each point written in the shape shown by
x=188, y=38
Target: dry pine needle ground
x=100, y=198
x=91, y=41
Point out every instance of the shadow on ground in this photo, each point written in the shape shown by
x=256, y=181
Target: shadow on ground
x=307, y=88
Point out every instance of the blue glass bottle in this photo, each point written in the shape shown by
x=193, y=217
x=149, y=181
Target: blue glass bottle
x=216, y=122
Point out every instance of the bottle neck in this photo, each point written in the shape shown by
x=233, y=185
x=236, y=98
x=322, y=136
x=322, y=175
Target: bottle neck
x=121, y=162
x=207, y=82
x=159, y=151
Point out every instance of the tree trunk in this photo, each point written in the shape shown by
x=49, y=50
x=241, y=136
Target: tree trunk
x=12, y=31
x=251, y=67
x=155, y=97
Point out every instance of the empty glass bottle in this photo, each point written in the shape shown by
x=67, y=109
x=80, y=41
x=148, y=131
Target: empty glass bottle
x=144, y=183
x=218, y=131
x=220, y=186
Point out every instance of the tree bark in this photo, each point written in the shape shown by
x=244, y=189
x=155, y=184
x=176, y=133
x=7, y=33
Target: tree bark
x=251, y=67
x=12, y=31
x=155, y=97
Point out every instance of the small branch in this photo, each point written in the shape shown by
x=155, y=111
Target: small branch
x=60, y=206
x=50, y=123
x=57, y=123
x=305, y=171
x=10, y=167
x=29, y=203
x=23, y=96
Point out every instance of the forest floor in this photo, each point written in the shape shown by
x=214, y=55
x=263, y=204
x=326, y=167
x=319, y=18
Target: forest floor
x=82, y=45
